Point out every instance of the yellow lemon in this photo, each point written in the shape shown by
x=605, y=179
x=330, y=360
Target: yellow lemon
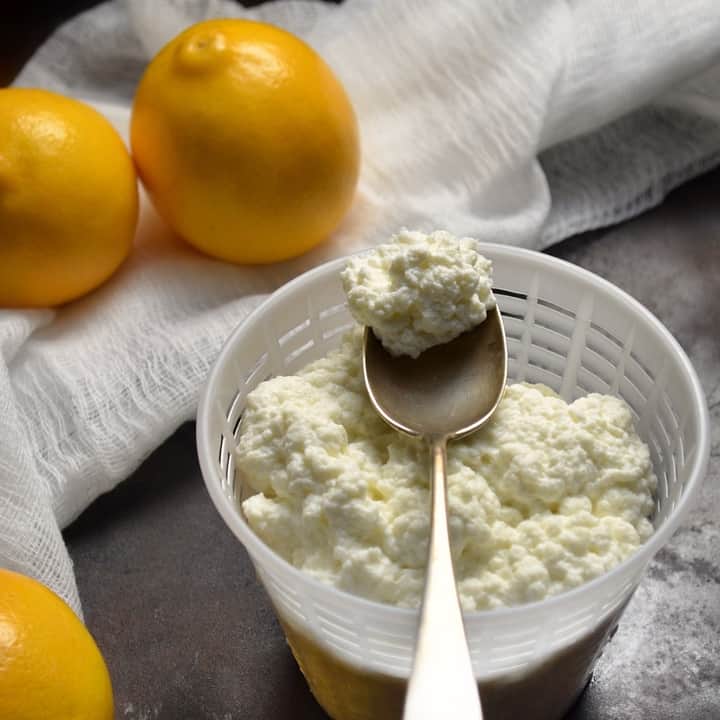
x=68, y=198
x=245, y=141
x=50, y=666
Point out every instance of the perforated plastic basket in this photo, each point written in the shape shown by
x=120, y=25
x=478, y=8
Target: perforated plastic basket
x=566, y=328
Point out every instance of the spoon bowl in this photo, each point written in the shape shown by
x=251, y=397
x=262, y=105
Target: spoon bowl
x=447, y=392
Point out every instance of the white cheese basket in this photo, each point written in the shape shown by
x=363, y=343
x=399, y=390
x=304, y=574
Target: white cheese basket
x=566, y=328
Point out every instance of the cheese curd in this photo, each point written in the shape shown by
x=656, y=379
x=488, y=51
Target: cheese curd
x=547, y=496
x=419, y=290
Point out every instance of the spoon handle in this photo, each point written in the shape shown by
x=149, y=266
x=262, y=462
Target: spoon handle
x=442, y=684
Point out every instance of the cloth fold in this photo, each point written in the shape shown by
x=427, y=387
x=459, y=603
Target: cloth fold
x=511, y=120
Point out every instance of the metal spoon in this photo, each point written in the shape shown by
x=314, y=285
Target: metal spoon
x=448, y=392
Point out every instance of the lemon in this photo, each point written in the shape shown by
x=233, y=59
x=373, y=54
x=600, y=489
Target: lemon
x=50, y=666
x=245, y=141
x=68, y=198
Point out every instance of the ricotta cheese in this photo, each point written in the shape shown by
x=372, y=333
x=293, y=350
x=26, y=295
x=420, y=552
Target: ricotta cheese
x=419, y=290
x=547, y=496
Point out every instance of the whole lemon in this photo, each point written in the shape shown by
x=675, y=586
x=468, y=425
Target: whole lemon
x=68, y=198
x=50, y=666
x=245, y=141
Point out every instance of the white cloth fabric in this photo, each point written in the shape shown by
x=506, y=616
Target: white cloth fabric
x=515, y=121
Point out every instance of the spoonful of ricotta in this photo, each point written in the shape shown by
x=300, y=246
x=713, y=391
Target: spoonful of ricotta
x=435, y=366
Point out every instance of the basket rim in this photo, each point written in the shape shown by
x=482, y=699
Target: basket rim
x=257, y=549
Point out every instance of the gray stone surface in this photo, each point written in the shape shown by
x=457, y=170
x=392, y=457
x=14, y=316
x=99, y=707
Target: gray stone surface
x=188, y=633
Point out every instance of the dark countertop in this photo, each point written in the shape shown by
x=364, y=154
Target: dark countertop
x=188, y=632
